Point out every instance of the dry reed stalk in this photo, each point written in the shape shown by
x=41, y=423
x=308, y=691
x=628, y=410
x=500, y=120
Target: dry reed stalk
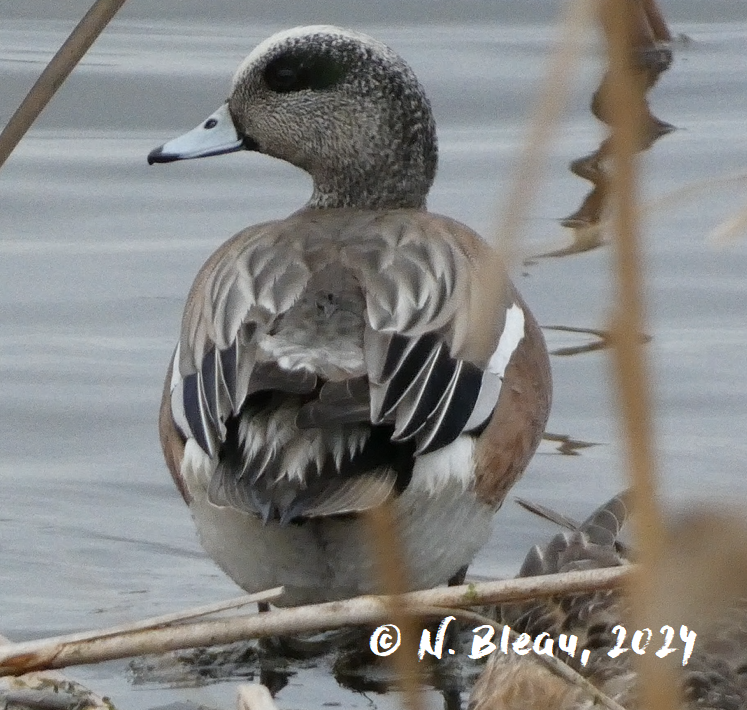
x=656, y=20
x=42, y=689
x=553, y=92
x=155, y=622
x=64, y=651
x=393, y=572
x=544, y=117
x=689, y=191
x=722, y=235
x=657, y=680
x=69, y=54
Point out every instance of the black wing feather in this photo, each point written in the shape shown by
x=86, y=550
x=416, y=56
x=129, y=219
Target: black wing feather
x=433, y=384
x=228, y=366
x=408, y=370
x=454, y=410
x=193, y=411
x=210, y=385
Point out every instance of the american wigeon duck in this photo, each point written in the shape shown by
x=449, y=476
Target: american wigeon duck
x=703, y=577
x=356, y=352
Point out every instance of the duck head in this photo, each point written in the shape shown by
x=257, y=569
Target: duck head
x=338, y=104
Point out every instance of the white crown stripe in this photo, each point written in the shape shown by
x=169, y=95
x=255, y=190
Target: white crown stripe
x=263, y=49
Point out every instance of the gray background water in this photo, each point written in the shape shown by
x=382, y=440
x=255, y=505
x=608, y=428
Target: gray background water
x=97, y=252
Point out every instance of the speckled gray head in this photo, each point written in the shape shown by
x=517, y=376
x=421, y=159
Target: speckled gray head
x=338, y=104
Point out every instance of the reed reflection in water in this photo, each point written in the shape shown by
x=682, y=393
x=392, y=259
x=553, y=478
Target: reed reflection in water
x=652, y=56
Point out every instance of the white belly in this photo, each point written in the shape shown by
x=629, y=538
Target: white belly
x=442, y=525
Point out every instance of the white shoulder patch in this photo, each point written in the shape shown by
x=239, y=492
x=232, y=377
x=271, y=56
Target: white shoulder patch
x=492, y=379
x=513, y=333
x=175, y=374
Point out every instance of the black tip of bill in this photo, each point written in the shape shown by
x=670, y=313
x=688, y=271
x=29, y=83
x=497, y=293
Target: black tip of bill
x=158, y=156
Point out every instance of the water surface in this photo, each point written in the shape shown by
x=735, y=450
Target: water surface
x=98, y=250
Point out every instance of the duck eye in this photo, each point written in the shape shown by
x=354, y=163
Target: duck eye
x=285, y=78
x=286, y=74
x=302, y=72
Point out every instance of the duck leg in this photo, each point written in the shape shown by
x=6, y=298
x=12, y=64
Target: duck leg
x=459, y=577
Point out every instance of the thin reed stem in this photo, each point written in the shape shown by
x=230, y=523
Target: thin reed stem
x=393, y=572
x=64, y=651
x=69, y=54
x=657, y=685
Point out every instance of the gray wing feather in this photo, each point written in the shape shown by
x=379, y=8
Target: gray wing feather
x=592, y=544
x=552, y=516
x=413, y=293
x=235, y=301
x=345, y=402
x=414, y=285
x=605, y=524
x=352, y=495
